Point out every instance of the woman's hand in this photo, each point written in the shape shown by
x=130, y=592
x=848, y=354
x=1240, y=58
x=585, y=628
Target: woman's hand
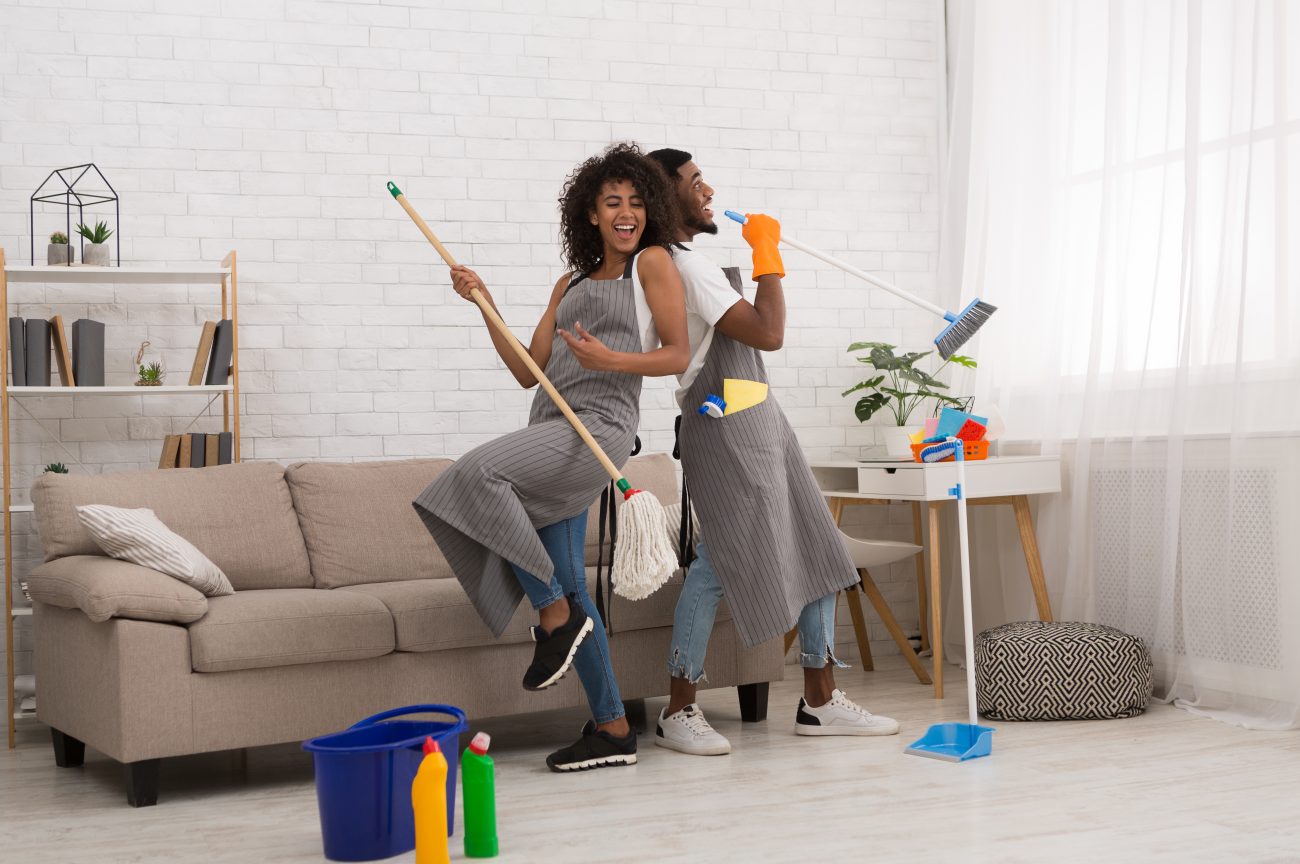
x=590, y=352
x=463, y=280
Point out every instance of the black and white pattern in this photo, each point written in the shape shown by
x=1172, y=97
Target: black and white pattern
x=1061, y=670
x=140, y=537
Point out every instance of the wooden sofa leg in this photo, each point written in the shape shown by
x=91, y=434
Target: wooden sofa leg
x=142, y=782
x=68, y=751
x=753, y=702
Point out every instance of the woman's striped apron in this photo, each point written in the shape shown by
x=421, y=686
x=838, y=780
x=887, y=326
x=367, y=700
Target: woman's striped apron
x=484, y=511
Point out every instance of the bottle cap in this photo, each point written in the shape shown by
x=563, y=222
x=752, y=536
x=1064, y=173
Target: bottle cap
x=479, y=745
x=431, y=746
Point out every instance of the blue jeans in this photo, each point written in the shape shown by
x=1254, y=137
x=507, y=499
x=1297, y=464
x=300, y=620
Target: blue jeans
x=564, y=543
x=698, y=604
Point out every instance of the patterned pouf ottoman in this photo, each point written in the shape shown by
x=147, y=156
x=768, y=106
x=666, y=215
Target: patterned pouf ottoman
x=1061, y=670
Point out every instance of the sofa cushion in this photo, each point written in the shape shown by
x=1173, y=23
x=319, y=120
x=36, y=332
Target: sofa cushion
x=106, y=588
x=140, y=537
x=359, y=524
x=288, y=626
x=240, y=516
x=656, y=474
x=435, y=615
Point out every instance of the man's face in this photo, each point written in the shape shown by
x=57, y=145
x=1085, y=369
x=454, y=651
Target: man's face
x=695, y=196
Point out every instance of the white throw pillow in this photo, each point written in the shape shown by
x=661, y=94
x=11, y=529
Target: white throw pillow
x=140, y=537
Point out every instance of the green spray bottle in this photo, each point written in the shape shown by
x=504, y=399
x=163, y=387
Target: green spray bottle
x=478, y=788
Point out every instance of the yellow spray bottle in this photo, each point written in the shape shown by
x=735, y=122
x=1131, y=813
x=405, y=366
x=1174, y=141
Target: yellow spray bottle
x=429, y=798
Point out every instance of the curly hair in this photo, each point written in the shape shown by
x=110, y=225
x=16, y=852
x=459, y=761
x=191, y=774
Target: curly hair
x=580, y=241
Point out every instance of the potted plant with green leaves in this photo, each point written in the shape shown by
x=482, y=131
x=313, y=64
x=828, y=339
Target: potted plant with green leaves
x=97, y=252
x=55, y=468
x=59, y=252
x=149, y=371
x=899, y=388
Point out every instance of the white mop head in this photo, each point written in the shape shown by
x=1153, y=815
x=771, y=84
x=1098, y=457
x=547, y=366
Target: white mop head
x=644, y=557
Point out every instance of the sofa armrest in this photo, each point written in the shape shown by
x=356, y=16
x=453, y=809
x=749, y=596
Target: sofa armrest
x=106, y=588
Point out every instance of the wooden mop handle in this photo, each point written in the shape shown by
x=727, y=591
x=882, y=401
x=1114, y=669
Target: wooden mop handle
x=520, y=350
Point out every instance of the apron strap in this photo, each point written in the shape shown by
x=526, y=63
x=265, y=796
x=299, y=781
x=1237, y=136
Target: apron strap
x=627, y=270
x=686, y=530
x=608, y=511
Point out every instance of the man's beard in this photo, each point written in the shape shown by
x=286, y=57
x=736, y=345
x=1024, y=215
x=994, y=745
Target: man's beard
x=698, y=225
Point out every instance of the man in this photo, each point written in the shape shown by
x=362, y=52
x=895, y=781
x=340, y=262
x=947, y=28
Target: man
x=768, y=541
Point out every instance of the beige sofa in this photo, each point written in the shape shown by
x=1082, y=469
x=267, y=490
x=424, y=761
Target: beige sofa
x=343, y=608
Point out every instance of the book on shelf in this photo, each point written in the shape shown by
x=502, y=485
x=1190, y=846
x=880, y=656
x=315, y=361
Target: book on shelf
x=88, y=352
x=184, y=455
x=212, y=450
x=17, y=352
x=225, y=448
x=62, y=352
x=37, y=345
x=202, y=353
x=171, y=451
x=223, y=343
x=198, y=449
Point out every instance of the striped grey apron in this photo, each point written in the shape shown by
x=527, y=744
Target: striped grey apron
x=770, y=534
x=484, y=510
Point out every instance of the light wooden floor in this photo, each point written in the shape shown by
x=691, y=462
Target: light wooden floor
x=1166, y=786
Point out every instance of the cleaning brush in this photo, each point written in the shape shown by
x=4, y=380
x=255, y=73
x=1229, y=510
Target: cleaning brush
x=961, y=327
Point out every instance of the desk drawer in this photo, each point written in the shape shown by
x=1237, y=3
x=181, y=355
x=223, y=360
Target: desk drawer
x=905, y=481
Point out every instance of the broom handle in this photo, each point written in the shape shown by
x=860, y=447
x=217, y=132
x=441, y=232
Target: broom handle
x=520, y=350
x=963, y=537
x=853, y=271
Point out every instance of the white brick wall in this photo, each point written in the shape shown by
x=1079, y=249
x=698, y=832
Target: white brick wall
x=271, y=126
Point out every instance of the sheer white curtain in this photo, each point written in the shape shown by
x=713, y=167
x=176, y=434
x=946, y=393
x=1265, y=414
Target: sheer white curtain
x=1123, y=181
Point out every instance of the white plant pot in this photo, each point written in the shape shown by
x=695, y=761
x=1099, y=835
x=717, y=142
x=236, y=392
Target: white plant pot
x=96, y=255
x=57, y=254
x=898, y=440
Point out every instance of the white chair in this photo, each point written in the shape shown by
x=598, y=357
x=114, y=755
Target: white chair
x=866, y=554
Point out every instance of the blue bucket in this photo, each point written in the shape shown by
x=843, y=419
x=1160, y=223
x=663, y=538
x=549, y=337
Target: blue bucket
x=364, y=776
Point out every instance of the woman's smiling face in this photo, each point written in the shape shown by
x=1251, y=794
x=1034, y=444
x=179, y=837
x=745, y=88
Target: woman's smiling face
x=619, y=216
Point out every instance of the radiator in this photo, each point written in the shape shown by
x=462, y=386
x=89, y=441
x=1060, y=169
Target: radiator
x=1231, y=605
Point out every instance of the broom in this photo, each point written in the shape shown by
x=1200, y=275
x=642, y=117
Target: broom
x=961, y=327
x=644, y=556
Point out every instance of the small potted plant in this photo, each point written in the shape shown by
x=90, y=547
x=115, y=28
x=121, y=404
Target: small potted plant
x=96, y=253
x=901, y=388
x=59, y=252
x=56, y=468
x=149, y=372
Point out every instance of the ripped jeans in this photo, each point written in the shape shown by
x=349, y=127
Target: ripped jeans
x=698, y=604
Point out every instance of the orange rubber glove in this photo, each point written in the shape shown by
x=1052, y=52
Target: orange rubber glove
x=763, y=234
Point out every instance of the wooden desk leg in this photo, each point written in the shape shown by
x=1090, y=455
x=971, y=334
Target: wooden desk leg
x=854, y=602
x=936, y=601
x=790, y=636
x=921, y=602
x=1029, y=542
x=891, y=624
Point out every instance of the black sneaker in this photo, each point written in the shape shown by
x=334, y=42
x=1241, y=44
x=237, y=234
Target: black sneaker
x=555, y=651
x=595, y=749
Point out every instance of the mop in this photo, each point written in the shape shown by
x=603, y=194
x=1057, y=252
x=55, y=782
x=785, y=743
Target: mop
x=957, y=742
x=961, y=327
x=644, y=558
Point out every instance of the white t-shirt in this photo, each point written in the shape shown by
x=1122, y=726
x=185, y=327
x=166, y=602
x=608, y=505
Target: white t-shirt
x=708, y=297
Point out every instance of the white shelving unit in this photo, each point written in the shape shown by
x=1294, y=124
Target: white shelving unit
x=224, y=275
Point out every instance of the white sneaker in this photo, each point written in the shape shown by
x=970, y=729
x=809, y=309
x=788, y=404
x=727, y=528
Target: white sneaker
x=841, y=716
x=688, y=732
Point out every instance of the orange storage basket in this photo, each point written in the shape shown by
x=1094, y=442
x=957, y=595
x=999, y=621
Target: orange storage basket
x=975, y=450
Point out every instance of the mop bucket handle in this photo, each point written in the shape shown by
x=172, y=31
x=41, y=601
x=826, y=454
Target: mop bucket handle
x=461, y=725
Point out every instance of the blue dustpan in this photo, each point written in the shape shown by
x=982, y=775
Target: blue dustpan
x=954, y=742
x=958, y=742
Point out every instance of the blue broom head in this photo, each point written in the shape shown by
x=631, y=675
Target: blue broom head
x=963, y=326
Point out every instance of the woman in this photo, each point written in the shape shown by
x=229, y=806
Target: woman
x=510, y=515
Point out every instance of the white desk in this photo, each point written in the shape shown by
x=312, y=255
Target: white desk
x=1008, y=480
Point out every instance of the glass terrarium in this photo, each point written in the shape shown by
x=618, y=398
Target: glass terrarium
x=149, y=368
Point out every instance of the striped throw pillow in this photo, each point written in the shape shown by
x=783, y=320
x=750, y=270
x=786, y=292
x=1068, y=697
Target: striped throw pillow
x=140, y=537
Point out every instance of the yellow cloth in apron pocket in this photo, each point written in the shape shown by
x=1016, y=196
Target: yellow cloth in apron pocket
x=740, y=394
